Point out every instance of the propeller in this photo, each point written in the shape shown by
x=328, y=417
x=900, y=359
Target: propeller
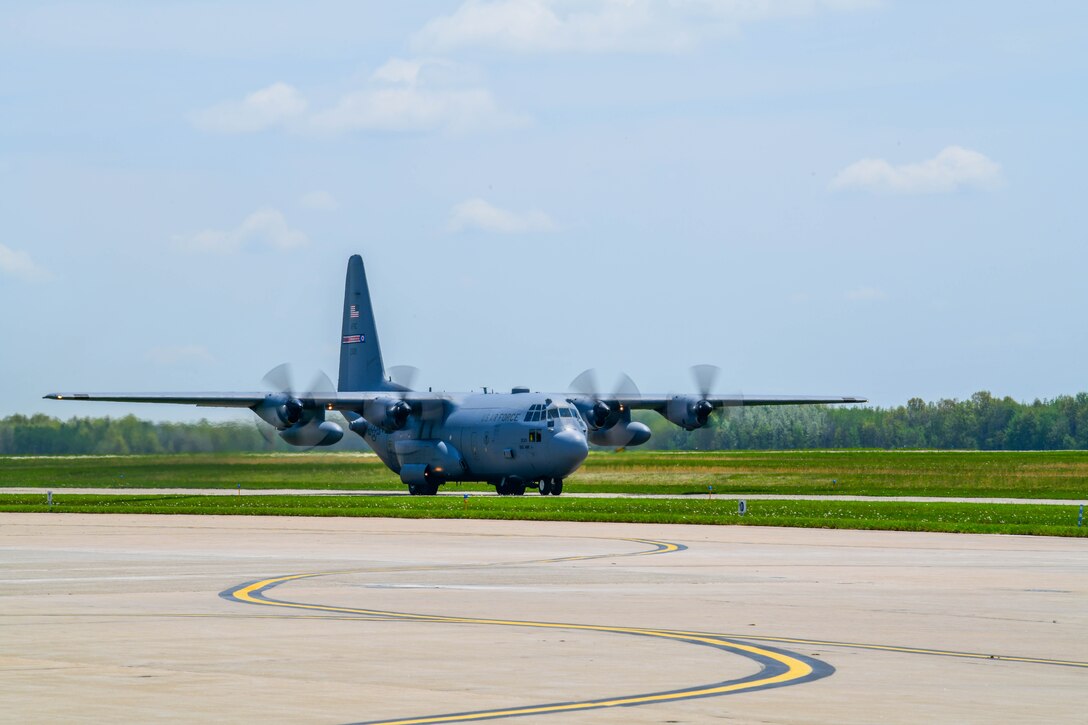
x=608, y=426
x=585, y=384
x=705, y=377
x=281, y=380
x=392, y=411
x=403, y=375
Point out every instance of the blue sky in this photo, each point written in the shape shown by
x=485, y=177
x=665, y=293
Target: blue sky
x=826, y=197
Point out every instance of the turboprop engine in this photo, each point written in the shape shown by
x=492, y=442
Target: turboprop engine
x=611, y=425
x=389, y=414
x=688, y=412
x=296, y=422
x=619, y=435
x=608, y=419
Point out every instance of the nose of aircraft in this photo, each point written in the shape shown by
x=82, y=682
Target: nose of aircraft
x=569, y=449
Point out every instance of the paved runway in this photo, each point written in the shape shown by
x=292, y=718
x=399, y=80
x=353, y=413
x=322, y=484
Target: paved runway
x=377, y=620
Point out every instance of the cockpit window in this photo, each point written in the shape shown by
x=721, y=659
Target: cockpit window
x=564, y=412
x=552, y=413
x=535, y=413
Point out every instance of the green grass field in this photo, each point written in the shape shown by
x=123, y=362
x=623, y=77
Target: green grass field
x=951, y=517
x=1057, y=474
x=874, y=473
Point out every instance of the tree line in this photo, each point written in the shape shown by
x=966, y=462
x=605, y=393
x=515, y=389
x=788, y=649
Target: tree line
x=982, y=422
x=44, y=435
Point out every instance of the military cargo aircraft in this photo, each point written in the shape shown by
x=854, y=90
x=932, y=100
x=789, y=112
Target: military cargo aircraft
x=510, y=440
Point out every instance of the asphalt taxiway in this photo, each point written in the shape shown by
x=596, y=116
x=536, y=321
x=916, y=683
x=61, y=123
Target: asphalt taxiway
x=426, y=621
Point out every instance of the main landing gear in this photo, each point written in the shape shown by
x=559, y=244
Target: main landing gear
x=516, y=487
x=550, y=486
x=510, y=487
x=427, y=488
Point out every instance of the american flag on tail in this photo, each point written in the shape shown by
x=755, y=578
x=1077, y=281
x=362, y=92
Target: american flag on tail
x=348, y=339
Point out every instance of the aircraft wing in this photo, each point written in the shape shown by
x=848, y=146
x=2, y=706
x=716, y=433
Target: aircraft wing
x=328, y=401
x=653, y=402
x=737, y=400
x=216, y=400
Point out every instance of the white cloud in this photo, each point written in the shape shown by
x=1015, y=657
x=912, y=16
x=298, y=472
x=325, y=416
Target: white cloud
x=278, y=104
x=399, y=70
x=179, y=355
x=412, y=109
x=401, y=95
x=319, y=201
x=953, y=168
x=265, y=227
x=606, y=25
x=478, y=214
x=863, y=294
x=19, y=265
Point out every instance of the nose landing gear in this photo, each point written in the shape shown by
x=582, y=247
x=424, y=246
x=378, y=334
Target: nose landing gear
x=552, y=486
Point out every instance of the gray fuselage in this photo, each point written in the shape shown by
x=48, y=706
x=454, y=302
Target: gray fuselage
x=488, y=437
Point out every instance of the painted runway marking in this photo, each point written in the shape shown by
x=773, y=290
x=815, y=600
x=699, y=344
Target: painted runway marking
x=918, y=651
x=778, y=668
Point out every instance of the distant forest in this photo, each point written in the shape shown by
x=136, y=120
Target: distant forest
x=43, y=435
x=981, y=422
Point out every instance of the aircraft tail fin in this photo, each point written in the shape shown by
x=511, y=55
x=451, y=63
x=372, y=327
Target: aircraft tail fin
x=361, y=367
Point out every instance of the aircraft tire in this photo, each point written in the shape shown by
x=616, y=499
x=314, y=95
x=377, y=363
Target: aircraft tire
x=502, y=488
x=557, y=486
x=544, y=485
x=423, y=489
x=517, y=489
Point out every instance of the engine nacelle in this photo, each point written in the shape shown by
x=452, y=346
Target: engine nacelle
x=396, y=415
x=280, y=410
x=598, y=415
x=389, y=414
x=601, y=415
x=314, y=433
x=621, y=435
x=297, y=424
x=688, y=412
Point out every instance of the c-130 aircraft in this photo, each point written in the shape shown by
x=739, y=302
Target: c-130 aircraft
x=511, y=440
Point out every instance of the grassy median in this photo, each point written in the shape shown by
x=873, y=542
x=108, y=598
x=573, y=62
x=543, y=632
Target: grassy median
x=1031, y=519
x=1049, y=474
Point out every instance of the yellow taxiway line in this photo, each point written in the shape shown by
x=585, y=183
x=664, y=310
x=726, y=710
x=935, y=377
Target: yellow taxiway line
x=777, y=667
